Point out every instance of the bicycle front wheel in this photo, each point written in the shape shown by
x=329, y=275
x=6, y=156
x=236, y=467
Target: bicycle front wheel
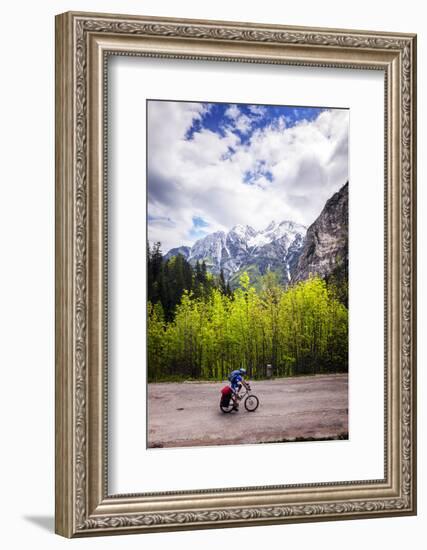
x=251, y=403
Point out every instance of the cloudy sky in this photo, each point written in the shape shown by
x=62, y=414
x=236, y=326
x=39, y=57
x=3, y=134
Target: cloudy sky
x=214, y=165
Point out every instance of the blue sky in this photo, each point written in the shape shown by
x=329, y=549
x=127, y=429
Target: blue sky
x=217, y=118
x=214, y=165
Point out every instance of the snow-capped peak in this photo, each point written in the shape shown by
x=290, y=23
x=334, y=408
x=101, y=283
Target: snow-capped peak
x=270, y=226
x=243, y=231
x=275, y=231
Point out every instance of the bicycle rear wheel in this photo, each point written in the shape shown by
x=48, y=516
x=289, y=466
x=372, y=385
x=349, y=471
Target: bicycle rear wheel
x=251, y=403
x=226, y=408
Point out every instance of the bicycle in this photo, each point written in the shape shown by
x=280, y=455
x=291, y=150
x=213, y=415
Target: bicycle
x=250, y=401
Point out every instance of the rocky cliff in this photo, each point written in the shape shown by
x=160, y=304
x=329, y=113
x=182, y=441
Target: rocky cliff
x=325, y=249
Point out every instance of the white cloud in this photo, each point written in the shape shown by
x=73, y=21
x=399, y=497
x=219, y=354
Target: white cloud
x=258, y=110
x=205, y=176
x=232, y=112
x=240, y=121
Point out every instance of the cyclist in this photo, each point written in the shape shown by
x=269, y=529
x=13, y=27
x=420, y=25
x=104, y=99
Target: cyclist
x=236, y=381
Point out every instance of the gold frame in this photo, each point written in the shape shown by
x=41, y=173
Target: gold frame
x=83, y=505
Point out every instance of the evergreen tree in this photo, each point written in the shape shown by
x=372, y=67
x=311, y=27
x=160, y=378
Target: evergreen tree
x=204, y=273
x=222, y=284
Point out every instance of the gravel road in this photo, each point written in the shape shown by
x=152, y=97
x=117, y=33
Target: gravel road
x=300, y=408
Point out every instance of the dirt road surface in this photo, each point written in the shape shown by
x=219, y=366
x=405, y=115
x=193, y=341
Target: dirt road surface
x=306, y=408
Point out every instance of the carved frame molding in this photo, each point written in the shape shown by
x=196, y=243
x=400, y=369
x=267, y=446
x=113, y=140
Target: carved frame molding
x=83, y=43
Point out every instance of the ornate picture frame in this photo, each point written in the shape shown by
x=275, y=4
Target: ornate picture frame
x=84, y=506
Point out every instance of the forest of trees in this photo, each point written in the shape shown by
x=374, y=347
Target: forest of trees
x=168, y=279
x=198, y=328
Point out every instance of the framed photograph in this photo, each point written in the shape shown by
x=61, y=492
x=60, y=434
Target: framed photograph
x=235, y=274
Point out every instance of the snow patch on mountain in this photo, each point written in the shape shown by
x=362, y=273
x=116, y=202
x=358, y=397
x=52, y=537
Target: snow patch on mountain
x=275, y=231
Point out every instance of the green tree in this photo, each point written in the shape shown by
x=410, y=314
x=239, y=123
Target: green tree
x=300, y=329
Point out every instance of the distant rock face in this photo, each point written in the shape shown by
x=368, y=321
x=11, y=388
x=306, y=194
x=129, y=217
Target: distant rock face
x=325, y=247
x=210, y=249
x=183, y=250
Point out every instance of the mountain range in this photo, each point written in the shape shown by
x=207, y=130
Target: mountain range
x=289, y=249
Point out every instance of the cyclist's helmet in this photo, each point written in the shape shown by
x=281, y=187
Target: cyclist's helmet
x=242, y=371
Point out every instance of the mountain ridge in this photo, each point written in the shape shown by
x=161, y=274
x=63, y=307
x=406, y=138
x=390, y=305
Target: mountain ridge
x=242, y=246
